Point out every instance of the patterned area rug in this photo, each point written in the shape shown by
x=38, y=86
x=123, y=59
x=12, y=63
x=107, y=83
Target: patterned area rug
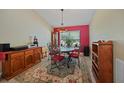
x=62, y=69
x=41, y=74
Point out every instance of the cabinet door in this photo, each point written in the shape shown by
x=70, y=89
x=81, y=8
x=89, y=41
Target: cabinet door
x=106, y=63
x=37, y=55
x=29, y=58
x=17, y=62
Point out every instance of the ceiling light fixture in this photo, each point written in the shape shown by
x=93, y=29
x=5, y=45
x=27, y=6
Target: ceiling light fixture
x=62, y=29
x=62, y=23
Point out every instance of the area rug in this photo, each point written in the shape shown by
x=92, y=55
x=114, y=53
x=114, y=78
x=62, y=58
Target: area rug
x=39, y=74
x=63, y=69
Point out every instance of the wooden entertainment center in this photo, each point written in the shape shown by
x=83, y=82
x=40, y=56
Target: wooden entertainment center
x=102, y=61
x=18, y=61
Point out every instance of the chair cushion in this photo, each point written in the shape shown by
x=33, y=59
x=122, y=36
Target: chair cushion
x=58, y=58
x=74, y=55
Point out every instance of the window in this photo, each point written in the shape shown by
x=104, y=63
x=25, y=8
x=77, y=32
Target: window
x=70, y=39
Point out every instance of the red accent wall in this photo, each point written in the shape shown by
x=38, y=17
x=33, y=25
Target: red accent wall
x=84, y=34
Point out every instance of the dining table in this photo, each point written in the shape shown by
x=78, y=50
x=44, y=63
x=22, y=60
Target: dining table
x=67, y=51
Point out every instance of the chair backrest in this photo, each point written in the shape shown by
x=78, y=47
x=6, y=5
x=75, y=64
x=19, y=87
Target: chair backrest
x=77, y=51
x=50, y=48
x=53, y=50
x=56, y=50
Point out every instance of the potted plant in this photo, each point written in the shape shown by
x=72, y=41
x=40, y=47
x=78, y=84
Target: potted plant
x=69, y=41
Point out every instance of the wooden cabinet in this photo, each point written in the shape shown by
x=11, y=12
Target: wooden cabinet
x=102, y=61
x=17, y=61
x=37, y=55
x=29, y=58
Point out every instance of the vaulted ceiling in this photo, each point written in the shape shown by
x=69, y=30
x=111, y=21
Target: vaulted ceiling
x=71, y=17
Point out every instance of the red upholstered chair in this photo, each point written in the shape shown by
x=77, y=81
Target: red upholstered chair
x=75, y=54
x=56, y=57
x=52, y=51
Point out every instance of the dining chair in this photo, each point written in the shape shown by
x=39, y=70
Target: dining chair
x=52, y=51
x=56, y=58
x=75, y=54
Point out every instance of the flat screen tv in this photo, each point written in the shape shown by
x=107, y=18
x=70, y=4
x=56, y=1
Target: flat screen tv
x=4, y=47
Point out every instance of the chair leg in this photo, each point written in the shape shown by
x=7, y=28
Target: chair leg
x=56, y=64
x=51, y=66
x=69, y=60
x=79, y=62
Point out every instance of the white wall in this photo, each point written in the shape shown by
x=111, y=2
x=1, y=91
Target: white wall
x=109, y=25
x=16, y=26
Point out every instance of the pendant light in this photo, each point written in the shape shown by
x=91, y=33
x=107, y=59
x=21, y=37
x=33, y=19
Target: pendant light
x=62, y=23
x=62, y=29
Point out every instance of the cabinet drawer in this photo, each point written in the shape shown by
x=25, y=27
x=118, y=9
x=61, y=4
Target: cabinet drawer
x=38, y=50
x=15, y=55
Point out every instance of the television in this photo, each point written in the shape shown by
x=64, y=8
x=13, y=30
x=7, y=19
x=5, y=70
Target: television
x=4, y=47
